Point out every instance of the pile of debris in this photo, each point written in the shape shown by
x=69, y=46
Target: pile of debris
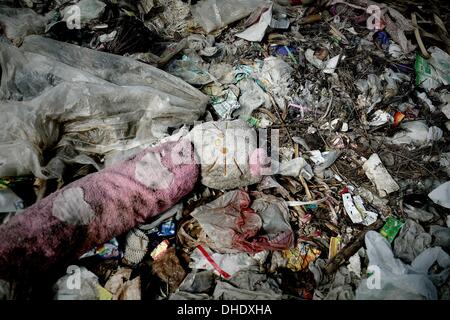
x=224, y=149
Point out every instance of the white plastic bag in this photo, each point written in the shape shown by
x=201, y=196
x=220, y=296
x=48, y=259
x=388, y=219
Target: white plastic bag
x=391, y=279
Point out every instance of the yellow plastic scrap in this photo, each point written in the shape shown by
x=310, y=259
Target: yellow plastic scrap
x=301, y=256
x=103, y=294
x=334, y=246
x=160, y=249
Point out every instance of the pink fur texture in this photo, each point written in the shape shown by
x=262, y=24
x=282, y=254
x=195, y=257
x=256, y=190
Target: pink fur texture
x=112, y=202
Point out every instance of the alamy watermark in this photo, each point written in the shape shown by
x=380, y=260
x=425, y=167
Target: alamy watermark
x=72, y=17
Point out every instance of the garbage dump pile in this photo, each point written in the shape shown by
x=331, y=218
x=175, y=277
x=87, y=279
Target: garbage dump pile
x=224, y=149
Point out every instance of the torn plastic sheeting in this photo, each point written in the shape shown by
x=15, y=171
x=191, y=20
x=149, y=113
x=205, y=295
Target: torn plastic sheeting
x=276, y=74
x=411, y=241
x=225, y=150
x=441, y=195
x=379, y=176
x=257, y=31
x=268, y=182
x=370, y=92
x=27, y=74
x=393, y=79
x=195, y=286
x=248, y=285
x=191, y=69
x=328, y=66
x=223, y=72
x=99, y=206
x=423, y=97
x=17, y=23
x=122, y=113
x=441, y=236
x=119, y=70
x=125, y=114
x=225, y=265
x=234, y=226
x=397, y=280
x=215, y=14
x=295, y=168
x=279, y=21
x=418, y=214
x=252, y=97
x=416, y=133
x=326, y=159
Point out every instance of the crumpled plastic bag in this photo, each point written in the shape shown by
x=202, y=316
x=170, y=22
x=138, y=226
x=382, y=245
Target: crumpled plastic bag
x=248, y=285
x=234, y=226
x=416, y=133
x=370, y=92
x=83, y=102
x=195, y=286
x=223, y=264
x=399, y=281
x=441, y=236
x=276, y=75
x=411, y=241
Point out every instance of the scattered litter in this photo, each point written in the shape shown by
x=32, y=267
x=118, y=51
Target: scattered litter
x=224, y=149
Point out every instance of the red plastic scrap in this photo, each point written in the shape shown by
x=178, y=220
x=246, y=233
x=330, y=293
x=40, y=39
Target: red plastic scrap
x=233, y=225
